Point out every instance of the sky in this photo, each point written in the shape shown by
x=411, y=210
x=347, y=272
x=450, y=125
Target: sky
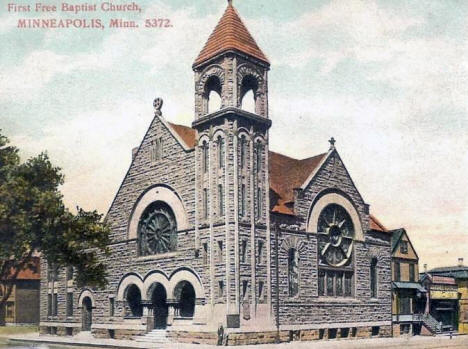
x=387, y=79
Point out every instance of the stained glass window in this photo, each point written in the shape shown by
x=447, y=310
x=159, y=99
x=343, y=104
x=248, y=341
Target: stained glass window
x=157, y=229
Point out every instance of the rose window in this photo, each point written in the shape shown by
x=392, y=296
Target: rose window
x=157, y=230
x=336, y=232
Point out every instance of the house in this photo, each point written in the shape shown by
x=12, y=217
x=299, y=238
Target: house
x=22, y=306
x=408, y=296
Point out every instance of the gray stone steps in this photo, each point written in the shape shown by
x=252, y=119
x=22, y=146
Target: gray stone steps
x=155, y=336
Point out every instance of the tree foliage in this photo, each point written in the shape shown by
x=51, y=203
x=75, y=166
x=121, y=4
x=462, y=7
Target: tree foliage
x=34, y=219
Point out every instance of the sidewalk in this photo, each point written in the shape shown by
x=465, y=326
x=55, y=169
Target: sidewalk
x=458, y=342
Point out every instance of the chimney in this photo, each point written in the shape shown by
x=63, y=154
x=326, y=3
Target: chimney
x=460, y=262
x=425, y=267
x=134, y=151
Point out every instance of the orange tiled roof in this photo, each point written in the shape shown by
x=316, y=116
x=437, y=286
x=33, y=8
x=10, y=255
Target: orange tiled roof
x=187, y=134
x=286, y=174
x=230, y=34
x=375, y=224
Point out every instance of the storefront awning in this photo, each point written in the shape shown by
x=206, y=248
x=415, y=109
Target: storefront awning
x=408, y=285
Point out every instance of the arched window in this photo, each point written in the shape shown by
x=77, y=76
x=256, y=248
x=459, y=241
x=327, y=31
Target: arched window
x=212, y=94
x=259, y=203
x=258, y=155
x=157, y=229
x=293, y=272
x=335, y=244
x=248, y=91
x=205, y=203
x=373, y=277
x=220, y=151
x=205, y=156
x=243, y=151
x=134, y=301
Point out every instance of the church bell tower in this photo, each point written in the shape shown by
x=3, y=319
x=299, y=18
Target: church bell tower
x=232, y=184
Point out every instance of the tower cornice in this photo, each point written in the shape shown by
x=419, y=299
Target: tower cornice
x=233, y=113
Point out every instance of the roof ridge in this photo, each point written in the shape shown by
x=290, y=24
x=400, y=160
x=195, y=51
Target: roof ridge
x=290, y=157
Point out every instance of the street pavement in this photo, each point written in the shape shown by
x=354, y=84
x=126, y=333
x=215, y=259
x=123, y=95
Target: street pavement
x=416, y=342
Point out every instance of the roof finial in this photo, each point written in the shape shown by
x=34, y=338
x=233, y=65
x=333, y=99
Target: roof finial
x=157, y=104
x=229, y=2
x=332, y=143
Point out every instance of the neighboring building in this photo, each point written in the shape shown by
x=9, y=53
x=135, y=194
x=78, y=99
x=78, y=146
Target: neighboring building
x=442, y=301
x=460, y=274
x=22, y=307
x=210, y=227
x=408, y=296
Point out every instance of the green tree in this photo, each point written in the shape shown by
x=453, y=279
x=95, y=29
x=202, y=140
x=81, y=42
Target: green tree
x=34, y=219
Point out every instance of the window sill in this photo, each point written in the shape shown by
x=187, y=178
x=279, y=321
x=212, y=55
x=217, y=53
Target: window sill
x=157, y=256
x=339, y=299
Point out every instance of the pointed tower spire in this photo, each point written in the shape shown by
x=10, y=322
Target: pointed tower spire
x=230, y=34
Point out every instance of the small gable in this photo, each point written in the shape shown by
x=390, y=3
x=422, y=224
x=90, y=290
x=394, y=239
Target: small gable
x=402, y=246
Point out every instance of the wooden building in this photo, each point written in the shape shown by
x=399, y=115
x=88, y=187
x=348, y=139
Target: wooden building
x=408, y=296
x=22, y=306
x=460, y=275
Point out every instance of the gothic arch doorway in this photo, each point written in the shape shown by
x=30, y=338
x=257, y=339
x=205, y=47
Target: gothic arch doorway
x=185, y=296
x=86, y=314
x=160, y=308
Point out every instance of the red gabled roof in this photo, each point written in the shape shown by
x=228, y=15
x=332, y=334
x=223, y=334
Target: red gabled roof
x=230, y=34
x=286, y=174
x=375, y=224
x=187, y=134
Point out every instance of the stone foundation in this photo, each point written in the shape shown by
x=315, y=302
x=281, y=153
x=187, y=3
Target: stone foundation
x=59, y=330
x=266, y=337
x=233, y=338
x=117, y=333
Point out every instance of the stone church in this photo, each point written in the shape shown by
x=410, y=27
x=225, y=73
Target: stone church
x=210, y=228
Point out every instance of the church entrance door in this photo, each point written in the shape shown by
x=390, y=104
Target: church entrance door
x=86, y=314
x=160, y=308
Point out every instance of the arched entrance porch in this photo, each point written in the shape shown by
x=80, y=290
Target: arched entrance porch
x=160, y=307
x=185, y=296
x=86, y=314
